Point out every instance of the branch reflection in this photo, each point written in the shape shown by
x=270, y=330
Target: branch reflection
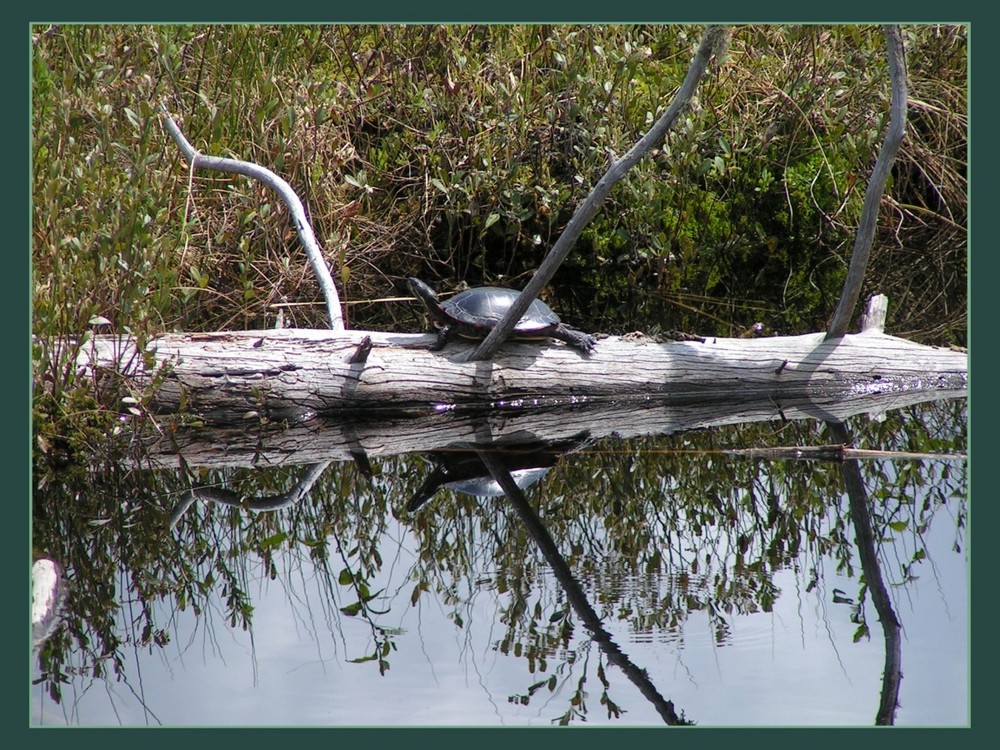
x=574, y=593
x=891, y=627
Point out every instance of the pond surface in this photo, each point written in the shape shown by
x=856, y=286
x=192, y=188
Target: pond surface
x=678, y=581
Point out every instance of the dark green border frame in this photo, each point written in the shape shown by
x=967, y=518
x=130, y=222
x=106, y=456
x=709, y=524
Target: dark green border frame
x=16, y=300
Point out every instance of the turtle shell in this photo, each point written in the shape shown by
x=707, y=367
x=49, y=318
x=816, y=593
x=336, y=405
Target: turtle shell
x=482, y=307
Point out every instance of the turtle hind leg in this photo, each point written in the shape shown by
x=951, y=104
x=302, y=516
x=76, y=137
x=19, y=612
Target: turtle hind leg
x=582, y=341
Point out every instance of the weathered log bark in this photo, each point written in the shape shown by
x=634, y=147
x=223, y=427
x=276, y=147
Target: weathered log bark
x=292, y=373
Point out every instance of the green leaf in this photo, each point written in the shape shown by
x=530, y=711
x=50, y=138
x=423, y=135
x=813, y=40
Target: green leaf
x=273, y=541
x=132, y=118
x=345, y=578
x=351, y=609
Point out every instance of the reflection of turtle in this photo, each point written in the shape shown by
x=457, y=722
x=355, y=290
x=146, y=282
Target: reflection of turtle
x=475, y=312
x=462, y=470
x=466, y=473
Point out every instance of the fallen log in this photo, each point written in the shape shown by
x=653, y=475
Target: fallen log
x=295, y=374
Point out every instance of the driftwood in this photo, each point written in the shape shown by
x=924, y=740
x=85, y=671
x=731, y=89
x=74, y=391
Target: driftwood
x=296, y=373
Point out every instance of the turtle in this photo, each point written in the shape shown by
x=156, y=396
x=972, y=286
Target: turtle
x=475, y=312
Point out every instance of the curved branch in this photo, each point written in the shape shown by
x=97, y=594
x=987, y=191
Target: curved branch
x=261, y=504
x=199, y=161
x=876, y=186
x=712, y=44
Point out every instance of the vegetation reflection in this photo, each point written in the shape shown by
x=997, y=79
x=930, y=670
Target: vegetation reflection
x=653, y=531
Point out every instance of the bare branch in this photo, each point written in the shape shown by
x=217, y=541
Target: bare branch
x=876, y=186
x=714, y=42
x=276, y=183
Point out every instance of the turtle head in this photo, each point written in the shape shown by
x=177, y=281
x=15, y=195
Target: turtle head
x=424, y=293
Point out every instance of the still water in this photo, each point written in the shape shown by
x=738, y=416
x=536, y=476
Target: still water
x=681, y=581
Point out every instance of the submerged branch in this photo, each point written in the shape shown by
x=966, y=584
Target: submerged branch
x=891, y=628
x=838, y=452
x=259, y=504
x=575, y=594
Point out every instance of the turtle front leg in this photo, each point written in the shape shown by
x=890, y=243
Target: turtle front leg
x=442, y=338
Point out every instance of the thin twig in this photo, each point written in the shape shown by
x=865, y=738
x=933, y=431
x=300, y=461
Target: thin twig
x=712, y=44
x=838, y=452
x=198, y=160
x=876, y=186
